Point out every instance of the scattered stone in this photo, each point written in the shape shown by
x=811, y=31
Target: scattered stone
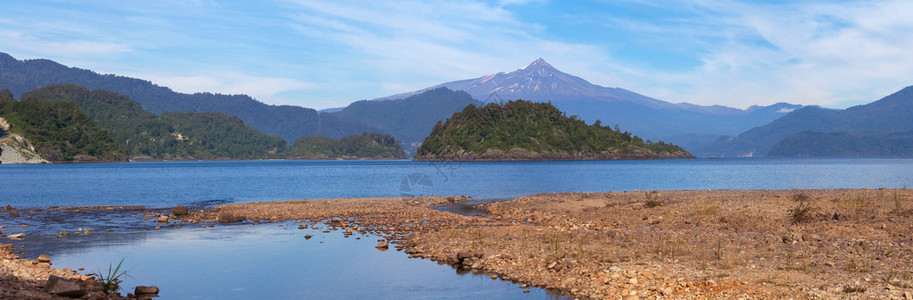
x=63, y=234
x=179, y=210
x=382, y=245
x=908, y=295
x=307, y=236
x=17, y=236
x=162, y=219
x=63, y=287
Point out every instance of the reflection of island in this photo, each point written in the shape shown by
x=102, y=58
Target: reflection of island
x=522, y=130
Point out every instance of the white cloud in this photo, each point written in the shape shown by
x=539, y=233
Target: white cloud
x=266, y=89
x=808, y=53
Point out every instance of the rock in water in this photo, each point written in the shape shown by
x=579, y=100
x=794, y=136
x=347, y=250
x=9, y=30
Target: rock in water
x=63, y=287
x=226, y=217
x=382, y=245
x=146, y=290
x=16, y=236
x=44, y=258
x=179, y=210
x=162, y=219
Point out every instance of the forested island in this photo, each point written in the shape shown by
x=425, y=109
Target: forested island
x=524, y=130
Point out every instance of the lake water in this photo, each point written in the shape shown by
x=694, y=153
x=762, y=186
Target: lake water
x=268, y=261
x=165, y=184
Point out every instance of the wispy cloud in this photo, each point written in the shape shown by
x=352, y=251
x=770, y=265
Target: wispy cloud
x=324, y=53
x=812, y=53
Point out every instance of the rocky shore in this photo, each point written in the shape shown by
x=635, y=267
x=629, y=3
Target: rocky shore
x=801, y=244
x=36, y=279
x=526, y=155
x=763, y=244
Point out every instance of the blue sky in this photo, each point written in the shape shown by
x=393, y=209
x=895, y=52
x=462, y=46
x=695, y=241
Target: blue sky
x=328, y=53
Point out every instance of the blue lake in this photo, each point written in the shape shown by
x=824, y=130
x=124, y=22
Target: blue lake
x=165, y=184
x=269, y=262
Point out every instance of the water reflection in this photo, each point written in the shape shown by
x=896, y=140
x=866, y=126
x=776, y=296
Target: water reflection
x=270, y=262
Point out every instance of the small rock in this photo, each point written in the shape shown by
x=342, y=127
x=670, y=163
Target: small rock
x=44, y=258
x=63, y=287
x=630, y=297
x=146, y=290
x=382, y=245
x=17, y=236
x=552, y=265
x=908, y=295
x=463, y=256
x=63, y=234
x=667, y=291
x=307, y=236
x=162, y=219
x=226, y=217
x=523, y=286
x=179, y=210
x=632, y=281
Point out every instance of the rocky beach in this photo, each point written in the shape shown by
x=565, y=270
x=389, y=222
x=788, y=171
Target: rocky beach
x=754, y=244
x=817, y=244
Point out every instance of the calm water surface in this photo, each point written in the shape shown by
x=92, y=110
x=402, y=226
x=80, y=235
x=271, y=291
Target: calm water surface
x=268, y=262
x=165, y=184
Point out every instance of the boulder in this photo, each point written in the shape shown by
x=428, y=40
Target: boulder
x=44, y=258
x=179, y=210
x=64, y=288
x=146, y=290
x=461, y=256
x=226, y=217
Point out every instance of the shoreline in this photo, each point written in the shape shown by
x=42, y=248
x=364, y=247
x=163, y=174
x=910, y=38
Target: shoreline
x=835, y=243
x=669, y=244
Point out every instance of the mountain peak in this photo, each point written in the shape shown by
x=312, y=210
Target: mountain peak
x=539, y=63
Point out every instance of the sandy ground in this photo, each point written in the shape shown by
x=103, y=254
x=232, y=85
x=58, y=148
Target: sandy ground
x=801, y=244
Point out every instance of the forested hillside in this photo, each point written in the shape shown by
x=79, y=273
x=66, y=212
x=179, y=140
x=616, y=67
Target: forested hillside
x=172, y=135
x=60, y=131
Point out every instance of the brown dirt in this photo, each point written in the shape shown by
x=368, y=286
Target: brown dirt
x=802, y=244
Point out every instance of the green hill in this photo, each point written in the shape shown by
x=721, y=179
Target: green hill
x=59, y=132
x=172, y=135
x=523, y=130
x=363, y=146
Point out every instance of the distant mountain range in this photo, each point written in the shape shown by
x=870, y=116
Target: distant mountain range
x=684, y=124
x=880, y=128
x=289, y=122
x=702, y=130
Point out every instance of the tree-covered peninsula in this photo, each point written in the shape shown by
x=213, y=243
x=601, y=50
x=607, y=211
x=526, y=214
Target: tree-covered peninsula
x=524, y=130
